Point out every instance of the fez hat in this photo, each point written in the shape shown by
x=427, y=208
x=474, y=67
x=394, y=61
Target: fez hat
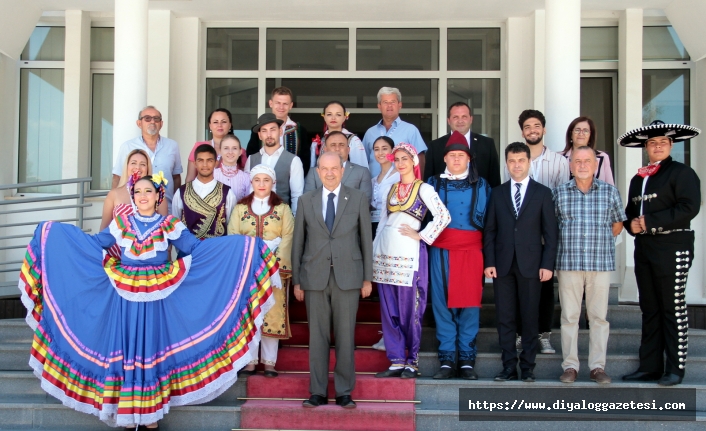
x=457, y=142
x=676, y=132
x=266, y=119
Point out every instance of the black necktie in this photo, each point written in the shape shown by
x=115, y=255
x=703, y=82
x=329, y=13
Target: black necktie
x=330, y=212
x=518, y=198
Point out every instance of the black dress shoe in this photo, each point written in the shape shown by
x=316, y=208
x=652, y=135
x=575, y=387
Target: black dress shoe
x=408, y=373
x=345, y=401
x=315, y=401
x=390, y=373
x=447, y=370
x=271, y=373
x=506, y=374
x=528, y=376
x=465, y=372
x=669, y=379
x=245, y=372
x=642, y=376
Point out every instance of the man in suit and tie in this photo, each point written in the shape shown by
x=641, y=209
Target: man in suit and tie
x=483, y=148
x=354, y=176
x=520, y=215
x=332, y=265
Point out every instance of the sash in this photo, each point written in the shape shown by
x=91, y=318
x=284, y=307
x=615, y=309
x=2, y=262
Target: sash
x=465, y=283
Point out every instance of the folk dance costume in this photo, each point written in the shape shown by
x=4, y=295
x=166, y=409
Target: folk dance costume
x=235, y=178
x=400, y=265
x=456, y=265
x=141, y=334
x=204, y=208
x=275, y=225
x=293, y=139
x=668, y=194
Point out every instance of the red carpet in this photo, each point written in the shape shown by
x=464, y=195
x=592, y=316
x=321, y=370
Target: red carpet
x=294, y=356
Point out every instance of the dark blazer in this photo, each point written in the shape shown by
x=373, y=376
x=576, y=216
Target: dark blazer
x=504, y=236
x=486, y=158
x=676, y=201
x=349, y=247
x=354, y=176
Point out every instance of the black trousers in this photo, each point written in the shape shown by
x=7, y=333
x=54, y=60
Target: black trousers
x=546, y=307
x=514, y=291
x=662, y=264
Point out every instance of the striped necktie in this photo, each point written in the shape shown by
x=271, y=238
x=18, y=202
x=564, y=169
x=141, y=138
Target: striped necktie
x=518, y=198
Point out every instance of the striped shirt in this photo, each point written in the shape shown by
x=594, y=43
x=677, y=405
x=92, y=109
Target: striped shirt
x=549, y=169
x=586, y=226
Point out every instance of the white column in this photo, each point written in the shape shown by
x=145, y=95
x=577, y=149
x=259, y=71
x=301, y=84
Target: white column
x=130, y=94
x=628, y=160
x=539, y=59
x=77, y=90
x=562, y=86
x=520, y=73
x=159, y=53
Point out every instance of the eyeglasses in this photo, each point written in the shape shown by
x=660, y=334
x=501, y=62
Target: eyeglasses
x=149, y=119
x=582, y=131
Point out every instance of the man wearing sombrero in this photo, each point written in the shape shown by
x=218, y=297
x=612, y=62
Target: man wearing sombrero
x=663, y=198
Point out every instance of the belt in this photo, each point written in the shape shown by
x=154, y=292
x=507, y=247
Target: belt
x=664, y=232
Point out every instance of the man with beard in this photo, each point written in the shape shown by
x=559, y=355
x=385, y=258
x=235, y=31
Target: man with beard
x=549, y=169
x=163, y=152
x=288, y=167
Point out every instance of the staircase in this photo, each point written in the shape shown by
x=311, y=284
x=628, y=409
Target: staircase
x=24, y=405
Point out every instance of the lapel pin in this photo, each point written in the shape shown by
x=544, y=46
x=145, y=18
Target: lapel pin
x=345, y=197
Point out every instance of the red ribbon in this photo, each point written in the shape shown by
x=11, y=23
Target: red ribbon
x=648, y=170
x=317, y=141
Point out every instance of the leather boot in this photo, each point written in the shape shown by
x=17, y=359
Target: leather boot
x=467, y=373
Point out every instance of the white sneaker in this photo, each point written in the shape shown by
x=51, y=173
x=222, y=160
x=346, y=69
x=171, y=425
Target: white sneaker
x=380, y=345
x=518, y=343
x=545, y=346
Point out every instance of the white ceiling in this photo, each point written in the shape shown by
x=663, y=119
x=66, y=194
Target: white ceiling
x=351, y=10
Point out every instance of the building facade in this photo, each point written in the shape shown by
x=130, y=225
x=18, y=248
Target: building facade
x=75, y=73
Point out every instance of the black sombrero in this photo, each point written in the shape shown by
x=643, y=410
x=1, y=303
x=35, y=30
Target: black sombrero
x=677, y=132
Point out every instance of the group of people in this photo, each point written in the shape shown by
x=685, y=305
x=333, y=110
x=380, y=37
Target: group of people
x=329, y=216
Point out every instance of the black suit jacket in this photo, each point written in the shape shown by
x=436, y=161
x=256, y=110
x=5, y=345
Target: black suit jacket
x=505, y=237
x=486, y=158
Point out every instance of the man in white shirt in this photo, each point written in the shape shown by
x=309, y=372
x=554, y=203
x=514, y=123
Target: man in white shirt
x=163, y=152
x=549, y=169
x=287, y=166
x=204, y=204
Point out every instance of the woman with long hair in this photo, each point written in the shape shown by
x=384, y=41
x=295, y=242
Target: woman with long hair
x=263, y=214
x=582, y=132
x=382, y=147
x=400, y=261
x=220, y=123
x=335, y=117
x=128, y=338
x=118, y=201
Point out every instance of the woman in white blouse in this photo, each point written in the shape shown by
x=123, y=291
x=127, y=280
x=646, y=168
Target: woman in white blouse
x=384, y=180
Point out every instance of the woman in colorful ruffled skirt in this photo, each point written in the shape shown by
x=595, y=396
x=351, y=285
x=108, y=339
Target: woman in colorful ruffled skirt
x=126, y=339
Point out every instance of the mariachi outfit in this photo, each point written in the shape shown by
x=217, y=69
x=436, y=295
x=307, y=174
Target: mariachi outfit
x=668, y=195
x=400, y=266
x=204, y=208
x=127, y=339
x=276, y=227
x=456, y=265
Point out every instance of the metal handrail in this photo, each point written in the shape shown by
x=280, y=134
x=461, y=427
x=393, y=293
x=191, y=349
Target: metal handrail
x=7, y=289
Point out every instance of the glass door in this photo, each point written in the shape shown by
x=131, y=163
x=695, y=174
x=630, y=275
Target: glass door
x=598, y=101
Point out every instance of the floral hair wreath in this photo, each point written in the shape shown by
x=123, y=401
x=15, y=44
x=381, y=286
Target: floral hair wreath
x=158, y=180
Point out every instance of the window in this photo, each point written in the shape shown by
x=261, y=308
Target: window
x=665, y=96
x=102, y=44
x=473, y=49
x=397, y=49
x=483, y=96
x=41, y=128
x=599, y=43
x=232, y=48
x=662, y=44
x=102, y=131
x=307, y=49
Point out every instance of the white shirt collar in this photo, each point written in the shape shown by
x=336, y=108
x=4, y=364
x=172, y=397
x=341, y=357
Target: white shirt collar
x=335, y=191
x=523, y=182
x=276, y=153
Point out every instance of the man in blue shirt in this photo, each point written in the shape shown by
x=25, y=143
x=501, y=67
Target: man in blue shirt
x=163, y=152
x=389, y=104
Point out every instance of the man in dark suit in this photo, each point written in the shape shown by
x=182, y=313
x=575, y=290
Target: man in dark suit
x=332, y=262
x=520, y=215
x=485, y=156
x=354, y=176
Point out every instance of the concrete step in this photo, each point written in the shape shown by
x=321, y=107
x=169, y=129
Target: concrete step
x=619, y=316
x=444, y=394
x=35, y=413
x=620, y=341
x=549, y=366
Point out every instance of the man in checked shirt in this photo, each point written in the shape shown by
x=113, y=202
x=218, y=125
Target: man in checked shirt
x=590, y=213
